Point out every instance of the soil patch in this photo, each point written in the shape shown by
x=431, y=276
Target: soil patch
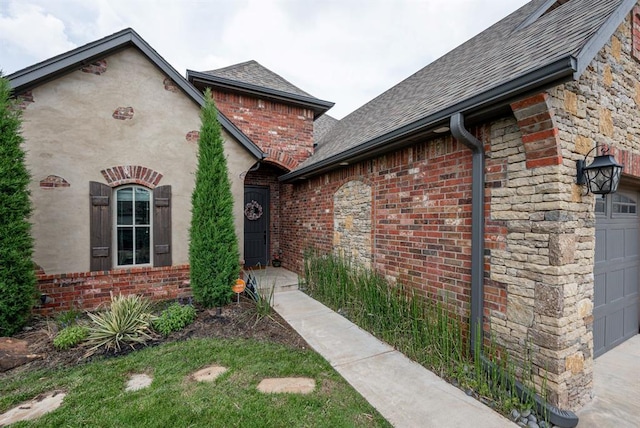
x=138, y=381
x=230, y=322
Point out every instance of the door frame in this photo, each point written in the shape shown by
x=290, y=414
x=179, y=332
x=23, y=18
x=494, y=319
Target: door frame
x=266, y=213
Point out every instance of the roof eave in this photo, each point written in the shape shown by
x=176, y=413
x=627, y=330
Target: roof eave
x=485, y=104
x=318, y=106
x=601, y=37
x=51, y=68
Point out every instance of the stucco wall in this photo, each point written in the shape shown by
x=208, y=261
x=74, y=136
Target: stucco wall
x=70, y=132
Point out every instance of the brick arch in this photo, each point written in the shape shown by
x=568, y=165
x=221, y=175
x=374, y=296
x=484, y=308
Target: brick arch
x=131, y=174
x=539, y=131
x=281, y=159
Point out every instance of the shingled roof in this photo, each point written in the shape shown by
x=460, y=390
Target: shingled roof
x=542, y=44
x=254, y=73
x=252, y=78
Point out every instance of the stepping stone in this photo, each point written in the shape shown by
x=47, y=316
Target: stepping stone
x=33, y=409
x=209, y=374
x=296, y=385
x=138, y=382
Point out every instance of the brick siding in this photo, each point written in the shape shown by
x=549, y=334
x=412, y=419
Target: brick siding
x=276, y=128
x=421, y=228
x=88, y=290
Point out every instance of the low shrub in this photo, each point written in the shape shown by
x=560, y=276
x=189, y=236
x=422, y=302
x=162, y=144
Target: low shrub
x=68, y=318
x=174, y=318
x=70, y=336
x=128, y=321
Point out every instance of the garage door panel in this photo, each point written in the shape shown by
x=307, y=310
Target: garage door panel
x=601, y=253
x=614, y=327
x=600, y=295
x=616, y=271
x=615, y=286
x=598, y=335
x=630, y=322
x=631, y=277
x=615, y=251
x=631, y=242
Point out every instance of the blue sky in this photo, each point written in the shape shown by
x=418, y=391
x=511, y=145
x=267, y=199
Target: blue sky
x=345, y=51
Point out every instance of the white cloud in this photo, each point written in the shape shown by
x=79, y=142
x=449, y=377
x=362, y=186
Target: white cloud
x=29, y=30
x=346, y=51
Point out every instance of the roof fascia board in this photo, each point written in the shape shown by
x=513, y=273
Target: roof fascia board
x=602, y=36
x=554, y=73
x=53, y=67
x=314, y=103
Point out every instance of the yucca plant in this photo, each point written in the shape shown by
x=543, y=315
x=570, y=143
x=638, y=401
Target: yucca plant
x=128, y=321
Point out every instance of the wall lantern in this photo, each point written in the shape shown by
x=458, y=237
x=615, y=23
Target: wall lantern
x=602, y=176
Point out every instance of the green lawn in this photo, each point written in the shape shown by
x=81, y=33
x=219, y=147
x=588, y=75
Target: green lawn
x=97, y=397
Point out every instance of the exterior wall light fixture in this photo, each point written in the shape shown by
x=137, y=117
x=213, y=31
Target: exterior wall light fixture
x=602, y=176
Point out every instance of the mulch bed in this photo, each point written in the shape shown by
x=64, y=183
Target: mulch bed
x=230, y=322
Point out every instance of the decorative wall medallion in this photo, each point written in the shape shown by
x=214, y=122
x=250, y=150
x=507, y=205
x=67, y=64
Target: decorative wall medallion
x=253, y=210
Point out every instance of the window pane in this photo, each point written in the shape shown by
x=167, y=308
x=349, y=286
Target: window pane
x=143, y=206
x=125, y=246
x=142, y=245
x=623, y=204
x=125, y=206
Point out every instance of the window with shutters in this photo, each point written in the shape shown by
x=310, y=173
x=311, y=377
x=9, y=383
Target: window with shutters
x=132, y=226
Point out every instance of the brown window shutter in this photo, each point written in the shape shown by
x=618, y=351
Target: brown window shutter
x=100, y=225
x=162, y=226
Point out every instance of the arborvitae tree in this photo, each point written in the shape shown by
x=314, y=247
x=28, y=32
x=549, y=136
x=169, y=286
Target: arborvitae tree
x=213, y=249
x=17, y=274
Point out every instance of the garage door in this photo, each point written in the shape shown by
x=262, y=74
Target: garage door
x=617, y=270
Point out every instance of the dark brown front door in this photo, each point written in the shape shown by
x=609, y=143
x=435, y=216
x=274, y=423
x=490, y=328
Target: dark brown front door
x=256, y=225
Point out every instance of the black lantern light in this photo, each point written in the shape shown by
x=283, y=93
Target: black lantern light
x=602, y=176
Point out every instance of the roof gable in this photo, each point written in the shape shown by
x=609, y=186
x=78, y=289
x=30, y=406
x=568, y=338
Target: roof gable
x=252, y=78
x=42, y=72
x=497, y=65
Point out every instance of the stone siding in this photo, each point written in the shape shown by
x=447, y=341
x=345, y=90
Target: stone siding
x=352, y=222
x=548, y=258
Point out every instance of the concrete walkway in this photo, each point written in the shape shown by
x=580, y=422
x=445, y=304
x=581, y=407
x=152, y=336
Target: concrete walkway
x=405, y=393
x=616, y=388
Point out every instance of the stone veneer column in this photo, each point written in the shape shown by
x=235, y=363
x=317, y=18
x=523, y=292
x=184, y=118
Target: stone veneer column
x=538, y=263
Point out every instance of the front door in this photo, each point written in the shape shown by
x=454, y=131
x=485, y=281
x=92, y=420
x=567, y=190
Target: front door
x=256, y=226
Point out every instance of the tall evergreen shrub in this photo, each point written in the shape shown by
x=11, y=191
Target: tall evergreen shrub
x=17, y=275
x=213, y=249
